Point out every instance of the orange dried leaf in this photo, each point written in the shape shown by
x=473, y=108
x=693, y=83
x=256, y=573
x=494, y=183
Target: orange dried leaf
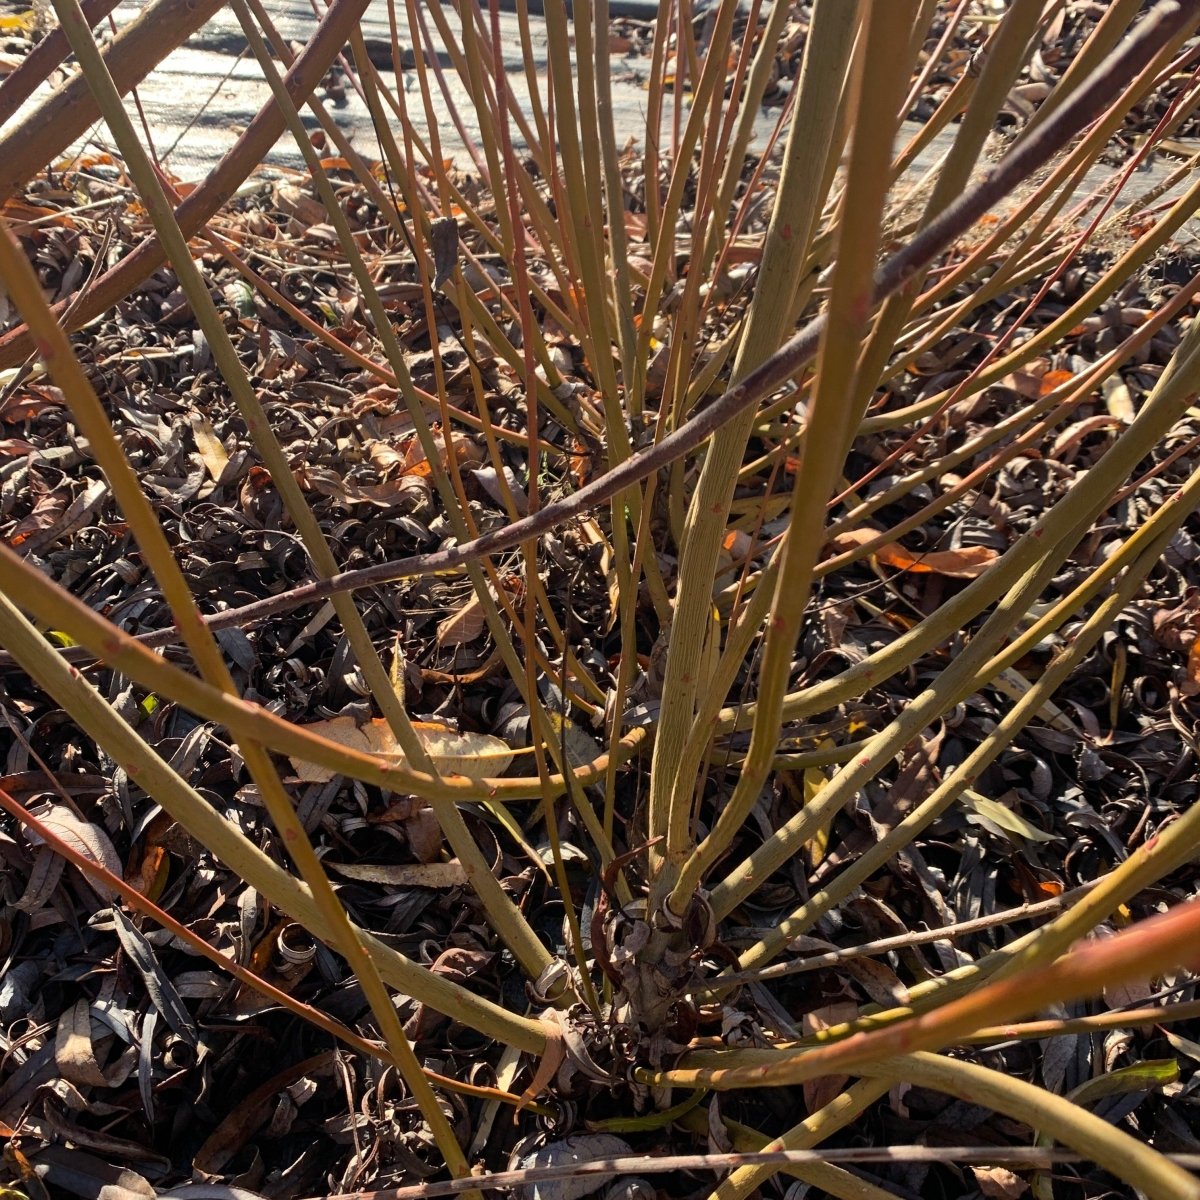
x=579, y=462
x=18, y=212
x=1192, y=683
x=465, y=453
x=1052, y=380
x=149, y=875
x=967, y=563
x=1027, y=381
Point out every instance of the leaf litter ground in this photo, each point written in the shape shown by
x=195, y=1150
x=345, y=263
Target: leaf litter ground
x=129, y=1064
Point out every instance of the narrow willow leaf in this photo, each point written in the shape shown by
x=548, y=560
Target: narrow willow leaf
x=1000, y=819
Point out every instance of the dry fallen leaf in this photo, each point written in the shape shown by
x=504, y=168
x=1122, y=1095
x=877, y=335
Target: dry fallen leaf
x=462, y=626
x=475, y=755
x=84, y=836
x=469, y=622
x=820, y=1091
x=74, y=1052
x=1000, y=1182
x=212, y=451
x=464, y=449
x=595, y=536
x=1066, y=445
x=968, y=563
x=1035, y=379
x=1117, y=399
x=429, y=875
x=1191, y=683
x=1000, y=819
x=578, y=1148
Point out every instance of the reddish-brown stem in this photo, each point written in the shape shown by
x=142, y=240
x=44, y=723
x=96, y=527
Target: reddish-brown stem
x=36, y=66
x=245, y=154
x=70, y=110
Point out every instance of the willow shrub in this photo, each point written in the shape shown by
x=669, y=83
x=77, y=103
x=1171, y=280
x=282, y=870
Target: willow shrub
x=719, y=433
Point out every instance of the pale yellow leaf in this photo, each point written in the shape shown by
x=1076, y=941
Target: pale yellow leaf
x=474, y=755
x=341, y=730
x=1117, y=399
x=1000, y=1182
x=212, y=452
x=814, y=780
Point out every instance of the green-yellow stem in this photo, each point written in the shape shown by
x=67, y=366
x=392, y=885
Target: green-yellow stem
x=831, y=424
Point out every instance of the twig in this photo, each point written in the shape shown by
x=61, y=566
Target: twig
x=640, y=1164
x=903, y=941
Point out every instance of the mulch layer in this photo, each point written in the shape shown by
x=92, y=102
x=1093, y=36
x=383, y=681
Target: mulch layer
x=131, y=1065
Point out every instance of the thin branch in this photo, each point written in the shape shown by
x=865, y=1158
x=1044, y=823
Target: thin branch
x=904, y=941
x=1028, y=1157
